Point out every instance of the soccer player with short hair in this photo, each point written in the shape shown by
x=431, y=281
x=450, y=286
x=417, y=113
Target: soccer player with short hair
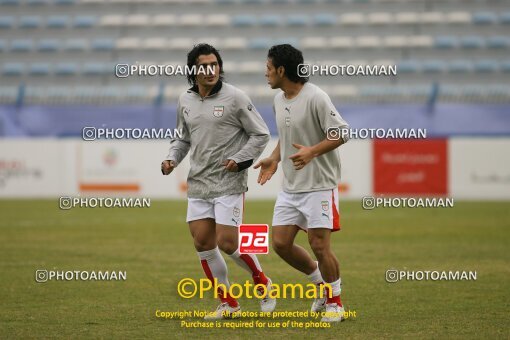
x=225, y=134
x=311, y=168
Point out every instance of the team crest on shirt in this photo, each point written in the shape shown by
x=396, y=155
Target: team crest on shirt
x=325, y=205
x=218, y=111
x=236, y=212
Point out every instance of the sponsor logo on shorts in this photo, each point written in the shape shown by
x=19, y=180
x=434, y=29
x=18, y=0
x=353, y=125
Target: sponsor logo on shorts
x=218, y=111
x=236, y=212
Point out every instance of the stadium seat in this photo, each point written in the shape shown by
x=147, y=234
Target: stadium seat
x=96, y=68
x=6, y=22
x=472, y=42
x=505, y=18
x=9, y=2
x=57, y=21
x=486, y=66
x=432, y=18
x=395, y=41
x=191, y=20
x=137, y=20
x=445, y=42
x=433, y=66
x=156, y=43
x=286, y=40
x=31, y=21
x=37, y=2
x=84, y=21
x=180, y=43
x=408, y=66
x=297, y=20
x=164, y=20
x=76, y=45
x=341, y=42
x=498, y=42
x=407, y=18
x=379, y=18
x=484, y=18
x=128, y=43
x=103, y=44
x=111, y=20
x=64, y=2
x=39, y=69
x=458, y=18
x=244, y=21
x=369, y=41
x=235, y=43
x=270, y=20
x=48, y=45
x=21, y=45
x=505, y=66
x=251, y=67
x=319, y=43
x=13, y=69
x=324, y=19
x=352, y=19
x=260, y=43
x=460, y=66
x=66, y=69
x=217, y=20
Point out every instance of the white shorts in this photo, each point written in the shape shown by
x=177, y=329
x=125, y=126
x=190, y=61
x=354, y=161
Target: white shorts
x=227, y=210
x=314, y=209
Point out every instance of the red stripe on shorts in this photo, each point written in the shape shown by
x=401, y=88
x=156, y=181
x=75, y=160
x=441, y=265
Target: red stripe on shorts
x=336, y=215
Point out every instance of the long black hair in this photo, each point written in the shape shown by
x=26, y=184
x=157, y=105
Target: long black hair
x=197, y=51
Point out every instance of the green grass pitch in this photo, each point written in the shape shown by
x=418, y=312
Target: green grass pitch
x=154, y=246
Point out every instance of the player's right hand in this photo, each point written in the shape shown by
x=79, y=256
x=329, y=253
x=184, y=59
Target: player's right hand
x=167, y=167
x=268, y=167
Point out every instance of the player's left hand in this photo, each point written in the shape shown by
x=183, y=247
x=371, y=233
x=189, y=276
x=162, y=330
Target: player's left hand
x=302, y=157
x=230, y=165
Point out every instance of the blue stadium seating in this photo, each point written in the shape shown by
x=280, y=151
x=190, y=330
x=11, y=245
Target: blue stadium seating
x=244, y=20
x=39, y=69
x=486, y=65
x=498, y=42
x=460, y=66
x=66, y=69
x=446, y=42
x=472, y=42
x=484, y=18
x=48, y=45
x=297, y=20
x=57, y=21
x=6, y=22
x=103, y=44
x=270, y=20
x=31, y=21
x=21, y=45
x=13, y=69
x=84, y=21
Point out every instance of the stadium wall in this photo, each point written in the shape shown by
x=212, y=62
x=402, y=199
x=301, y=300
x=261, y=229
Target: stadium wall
x=459, y=167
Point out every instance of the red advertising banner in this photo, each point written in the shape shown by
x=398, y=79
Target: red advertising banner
x=410, y=167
